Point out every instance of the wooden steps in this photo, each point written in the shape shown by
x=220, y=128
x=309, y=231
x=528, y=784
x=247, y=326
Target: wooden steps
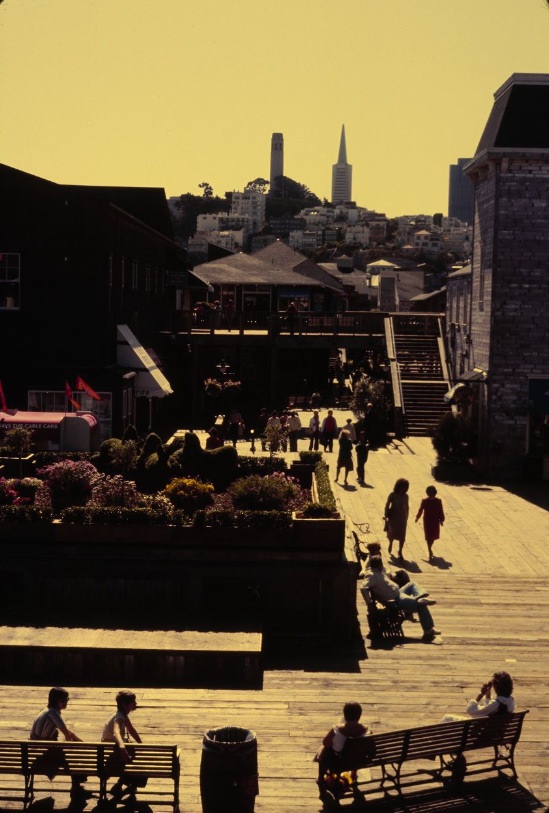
x=162, y=657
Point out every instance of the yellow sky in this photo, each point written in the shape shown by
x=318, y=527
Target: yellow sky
x=174, y=92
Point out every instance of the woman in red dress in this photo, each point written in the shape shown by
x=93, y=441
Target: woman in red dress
x=433, y=517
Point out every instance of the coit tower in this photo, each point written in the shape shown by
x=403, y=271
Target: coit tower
x=277, y=161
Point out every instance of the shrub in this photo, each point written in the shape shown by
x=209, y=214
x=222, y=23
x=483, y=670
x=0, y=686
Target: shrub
x=324, y=487
x=256, y=493
x=25, y=513
x=248, y=464
x=310, y=456
x=8, y=492
x=454, y=440
x=218, y=466
x=243, y=519
x=27, y=487
x=44, y=459
x=18, y=441
x=109, y=491
x=110, y=515
x=188, y=494
x=130, y=433
x=315, y=510
x=69, y=482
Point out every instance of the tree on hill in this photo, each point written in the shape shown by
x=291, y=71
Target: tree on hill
x=190, y=206
x=257, y=185
x=296, y=191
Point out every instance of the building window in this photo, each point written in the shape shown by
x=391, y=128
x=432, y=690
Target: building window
x=9, y=281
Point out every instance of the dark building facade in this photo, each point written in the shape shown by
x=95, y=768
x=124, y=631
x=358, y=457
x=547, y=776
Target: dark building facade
x=508, y=330
x=76, y=263
x=461, y=194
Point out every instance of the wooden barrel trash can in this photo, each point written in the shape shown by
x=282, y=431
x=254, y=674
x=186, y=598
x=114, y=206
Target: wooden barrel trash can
x=228, y=771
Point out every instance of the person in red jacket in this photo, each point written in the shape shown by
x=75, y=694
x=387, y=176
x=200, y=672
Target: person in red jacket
x=433, y=517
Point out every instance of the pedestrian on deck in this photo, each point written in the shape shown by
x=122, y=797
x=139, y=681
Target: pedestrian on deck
x=235, y=424
x=228, y=313
x=350, y=428
x=433, y=517
x=260, y=426
x=314, y=431
x=292, y=317
x=345, y=455
x=362, y=450
x=397, y=508
x=328, y=431
x=294, y=427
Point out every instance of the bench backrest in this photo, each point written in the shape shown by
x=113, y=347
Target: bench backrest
x=432, y=740
x=47, y=757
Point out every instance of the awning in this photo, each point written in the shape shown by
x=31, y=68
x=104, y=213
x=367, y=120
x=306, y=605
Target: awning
x=476, y=374
x=150, y=382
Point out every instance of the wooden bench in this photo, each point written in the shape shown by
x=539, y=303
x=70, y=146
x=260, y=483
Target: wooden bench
x=384, y=620
x=447, y=742
x=32, y=758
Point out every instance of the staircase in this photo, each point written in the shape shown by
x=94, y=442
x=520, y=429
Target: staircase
x=422, y=380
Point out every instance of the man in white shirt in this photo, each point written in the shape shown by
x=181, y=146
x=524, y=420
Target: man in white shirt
x=410, y=597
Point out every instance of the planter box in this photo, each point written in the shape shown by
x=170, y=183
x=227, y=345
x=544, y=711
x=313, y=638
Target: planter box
x=319, y=533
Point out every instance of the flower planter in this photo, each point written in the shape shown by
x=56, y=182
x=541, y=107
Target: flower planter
x=319, y=533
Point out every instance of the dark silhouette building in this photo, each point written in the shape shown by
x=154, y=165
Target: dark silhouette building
x=77, y=263
x=461, y=193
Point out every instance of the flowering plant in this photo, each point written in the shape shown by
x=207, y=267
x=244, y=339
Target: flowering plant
x=8, y=493
x=213, y=387
x=70, y=482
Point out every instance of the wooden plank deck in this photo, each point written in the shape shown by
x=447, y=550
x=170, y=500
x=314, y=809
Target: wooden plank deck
x=490, y=582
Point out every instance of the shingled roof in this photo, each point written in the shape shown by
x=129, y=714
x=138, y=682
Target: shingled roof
x=251, y=269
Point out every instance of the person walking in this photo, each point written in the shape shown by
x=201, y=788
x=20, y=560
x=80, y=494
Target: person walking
x=345, y=455
x=362, y=450
x=314, y=431
x=329, y=431
x=397, y=508
x=294, y=427
x=433, y=517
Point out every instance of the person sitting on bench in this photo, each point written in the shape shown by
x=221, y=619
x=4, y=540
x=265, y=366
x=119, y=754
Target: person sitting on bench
x=410, y=597
x=47, y=726
x=484, y=705
x=333, y=744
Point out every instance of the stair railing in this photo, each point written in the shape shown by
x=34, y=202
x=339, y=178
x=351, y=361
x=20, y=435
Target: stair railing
x=396, y=383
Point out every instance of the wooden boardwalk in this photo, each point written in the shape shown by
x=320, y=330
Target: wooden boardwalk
x=490, y=582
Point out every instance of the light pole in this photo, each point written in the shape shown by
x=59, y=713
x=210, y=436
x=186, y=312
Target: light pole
x=252, y=447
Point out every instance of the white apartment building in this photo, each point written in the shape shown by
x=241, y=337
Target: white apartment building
x=251, y=204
